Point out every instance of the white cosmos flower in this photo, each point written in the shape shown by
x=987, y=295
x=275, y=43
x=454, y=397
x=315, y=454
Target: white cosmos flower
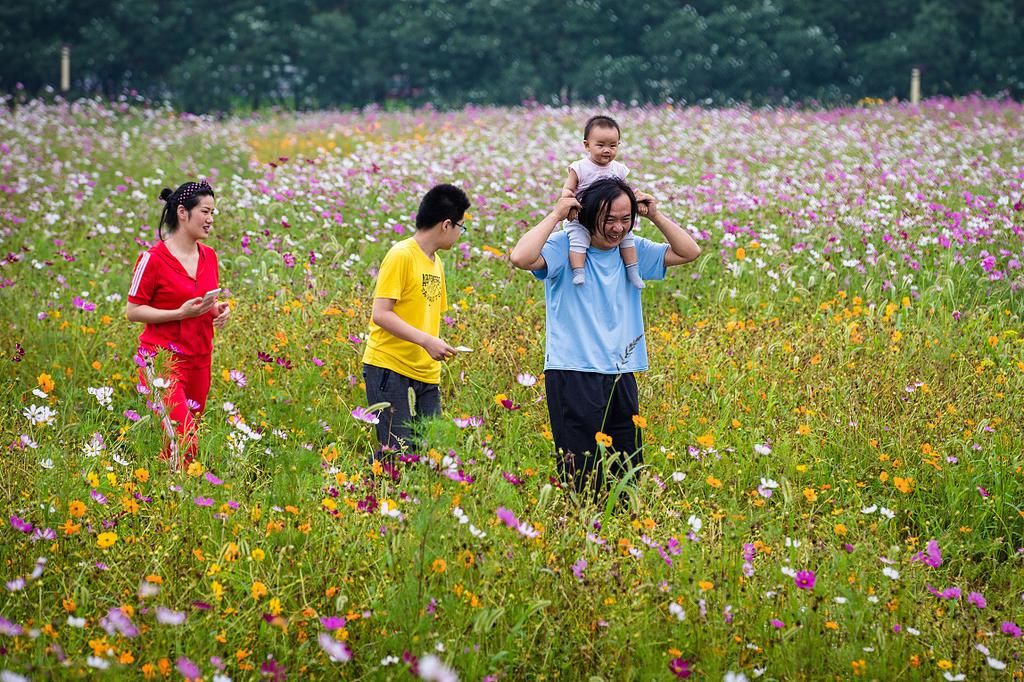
x=676, y=610
x=890, y=572
x=39, y=415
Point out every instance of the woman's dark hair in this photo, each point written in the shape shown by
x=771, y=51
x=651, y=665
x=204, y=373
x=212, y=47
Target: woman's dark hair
x=596, y=200
x=442, y=202
x=186, y=195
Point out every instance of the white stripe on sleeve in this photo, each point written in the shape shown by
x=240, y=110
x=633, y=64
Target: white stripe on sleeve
x=137, y=277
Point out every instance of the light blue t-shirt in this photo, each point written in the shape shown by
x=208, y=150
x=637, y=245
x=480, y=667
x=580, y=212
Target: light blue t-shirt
x=591, y=327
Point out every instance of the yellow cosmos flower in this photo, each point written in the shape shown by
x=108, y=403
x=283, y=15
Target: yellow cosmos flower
x=259, y=590
x=104, y=540
x=603, y=439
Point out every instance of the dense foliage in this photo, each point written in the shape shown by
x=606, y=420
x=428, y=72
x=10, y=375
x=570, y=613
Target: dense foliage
x=235, y=54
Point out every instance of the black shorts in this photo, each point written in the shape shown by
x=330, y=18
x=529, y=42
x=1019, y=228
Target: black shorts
x=581, y=404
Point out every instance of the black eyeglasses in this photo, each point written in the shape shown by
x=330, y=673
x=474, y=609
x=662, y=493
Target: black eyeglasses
x=461, y=225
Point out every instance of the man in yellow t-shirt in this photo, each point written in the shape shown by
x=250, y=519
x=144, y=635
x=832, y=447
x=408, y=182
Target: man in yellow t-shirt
x=405, y=350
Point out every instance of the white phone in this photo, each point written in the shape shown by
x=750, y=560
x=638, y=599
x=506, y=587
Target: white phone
x=463, y=349
x=211, y=295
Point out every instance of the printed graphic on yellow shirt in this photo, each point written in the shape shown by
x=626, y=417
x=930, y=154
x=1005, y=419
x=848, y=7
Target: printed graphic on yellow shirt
x=431, y=287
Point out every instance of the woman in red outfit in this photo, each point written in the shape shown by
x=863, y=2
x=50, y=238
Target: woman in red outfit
x=169, y=293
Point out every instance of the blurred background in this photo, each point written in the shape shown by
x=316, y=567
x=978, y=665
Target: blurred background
x=234, y=55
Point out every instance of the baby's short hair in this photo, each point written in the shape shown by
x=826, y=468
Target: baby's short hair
x=600, y=121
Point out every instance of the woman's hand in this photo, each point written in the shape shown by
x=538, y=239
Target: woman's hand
x=194, y=307
x=222, y=315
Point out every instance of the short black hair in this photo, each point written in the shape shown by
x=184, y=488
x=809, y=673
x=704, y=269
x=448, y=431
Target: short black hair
x=600, y=121
x=442, y=202
x=596, y=201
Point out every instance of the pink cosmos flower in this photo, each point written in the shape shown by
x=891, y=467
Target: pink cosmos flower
x=932, y=556
x=507, y=517
x=187, y=668
x=804, y=580
x=335, y=650
x=363, y=415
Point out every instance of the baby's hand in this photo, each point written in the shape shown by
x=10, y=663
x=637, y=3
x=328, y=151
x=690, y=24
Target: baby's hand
x=641, y=208
x=573, y=214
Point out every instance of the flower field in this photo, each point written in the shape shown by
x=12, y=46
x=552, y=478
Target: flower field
x=834, y=449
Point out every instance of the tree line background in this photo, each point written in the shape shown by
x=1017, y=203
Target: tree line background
x=233, y=54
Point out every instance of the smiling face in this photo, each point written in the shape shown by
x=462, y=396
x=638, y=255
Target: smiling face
x=613, y=225
x=197, y=222
x=602, y=144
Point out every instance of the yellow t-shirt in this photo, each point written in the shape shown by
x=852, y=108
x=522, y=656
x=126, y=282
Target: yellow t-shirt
x=416, y=283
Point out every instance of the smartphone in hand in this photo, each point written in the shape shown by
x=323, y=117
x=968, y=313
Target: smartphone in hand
x=211, y=295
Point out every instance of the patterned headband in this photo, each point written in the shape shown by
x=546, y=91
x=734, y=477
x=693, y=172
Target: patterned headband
x=189, y=190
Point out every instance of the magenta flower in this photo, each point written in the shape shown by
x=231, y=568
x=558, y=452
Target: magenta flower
x=332, y=622
x=578, y=568
x=507, y=517
x=363, y=415
x=1010, y=628
x=948, y=593
x=20, y=524
x=203, y=501
x=335, y=650
x=212, y=480
x=116, y=622
x=932, y=556
x=680, y=667
x=187, y=668
x=776, y=623
x=8, y=628
x=804, y=580
x=976, y=599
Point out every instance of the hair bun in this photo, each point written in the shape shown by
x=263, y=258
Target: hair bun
x=165, y=194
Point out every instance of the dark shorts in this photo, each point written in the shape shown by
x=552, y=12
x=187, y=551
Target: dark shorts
x=581, y=404
x=396, y=429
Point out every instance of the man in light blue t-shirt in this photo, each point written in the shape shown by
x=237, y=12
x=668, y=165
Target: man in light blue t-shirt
x=595, y=331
